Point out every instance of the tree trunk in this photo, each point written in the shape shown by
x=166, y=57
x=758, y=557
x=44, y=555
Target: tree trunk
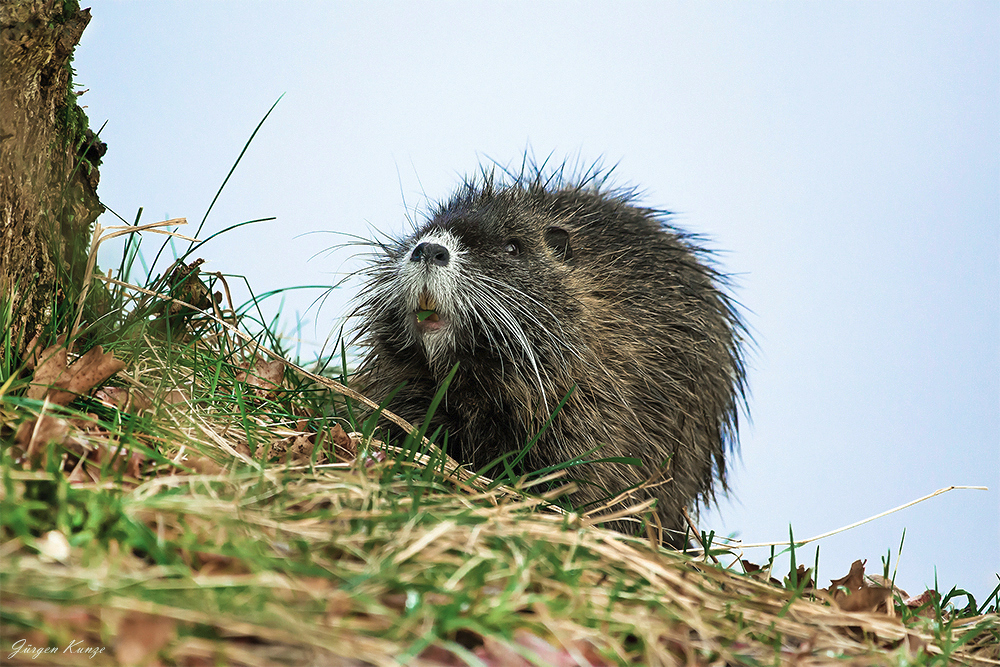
x=48, y=165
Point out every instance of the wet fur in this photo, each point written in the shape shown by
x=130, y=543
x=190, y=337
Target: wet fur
x=603, y=296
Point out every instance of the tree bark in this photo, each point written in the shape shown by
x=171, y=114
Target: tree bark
x=48, y=164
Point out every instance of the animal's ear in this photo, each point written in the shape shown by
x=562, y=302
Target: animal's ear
x=557, y=239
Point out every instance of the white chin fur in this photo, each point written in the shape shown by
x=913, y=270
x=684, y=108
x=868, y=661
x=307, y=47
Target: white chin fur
x=443, y=284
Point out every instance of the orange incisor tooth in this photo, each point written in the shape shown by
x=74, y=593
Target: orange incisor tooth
x=427, y=302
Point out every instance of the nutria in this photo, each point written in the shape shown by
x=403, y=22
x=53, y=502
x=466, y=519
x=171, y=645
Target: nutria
x=540, y=287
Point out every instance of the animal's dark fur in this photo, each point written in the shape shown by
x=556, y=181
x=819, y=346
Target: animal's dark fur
x=544, y=286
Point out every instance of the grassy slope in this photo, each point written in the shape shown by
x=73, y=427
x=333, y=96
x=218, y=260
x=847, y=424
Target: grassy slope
x=203, y=507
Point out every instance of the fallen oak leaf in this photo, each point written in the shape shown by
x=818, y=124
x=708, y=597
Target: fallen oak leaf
x=91, y=441
x=82, y=474
x=854, y=580
x=759, y=573
x=61, y=383
x=295, y=449
x=186, y=286
x=271, y=373
x=174, y=397
x=345, y=445
x=340, y=437
x=49, y=367
x=93, y=368
x=33, y=436
x=922, y=604
x=265, y=376
x=855, y=593
x=33, y=350
x=85, y=441
x=123, y=398
x=803, y=578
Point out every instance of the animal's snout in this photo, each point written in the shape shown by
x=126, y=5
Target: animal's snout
x=430, y=253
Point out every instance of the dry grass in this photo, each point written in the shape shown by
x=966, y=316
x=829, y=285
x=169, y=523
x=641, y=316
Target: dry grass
x=231, y=522
x=337, y=565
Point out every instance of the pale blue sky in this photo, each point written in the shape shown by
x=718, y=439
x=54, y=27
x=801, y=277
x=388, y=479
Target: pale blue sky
x=845, y=156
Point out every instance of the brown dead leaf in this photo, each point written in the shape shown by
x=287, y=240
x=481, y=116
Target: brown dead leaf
x=93, y=442
x=62, y=383
x=140, y=636
x=802, y=574
x=50, y=366
x=31, y=353
x=82, y=474
x=186, y=286
x=759, y=573
x=879, y=580
x=34, y=435
x=339, y=436
x=93, y=368
x=854, y=580
x=345, y=447
x=174, y=397
x=264, y=376
x=83, y=440
x=855, y=593
x=133, y=467
x=271, y=373
x=123, y=398
x=34, y=349
x=922, y=604
x=295, y=449
x=915, y=645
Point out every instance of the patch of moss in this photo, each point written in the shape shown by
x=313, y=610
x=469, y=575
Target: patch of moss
x=72, y=120
x=70, y=8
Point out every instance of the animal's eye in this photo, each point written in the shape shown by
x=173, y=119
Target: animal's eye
x=513, y=248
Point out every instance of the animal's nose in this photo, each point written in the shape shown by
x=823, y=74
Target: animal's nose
x=430, y=253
